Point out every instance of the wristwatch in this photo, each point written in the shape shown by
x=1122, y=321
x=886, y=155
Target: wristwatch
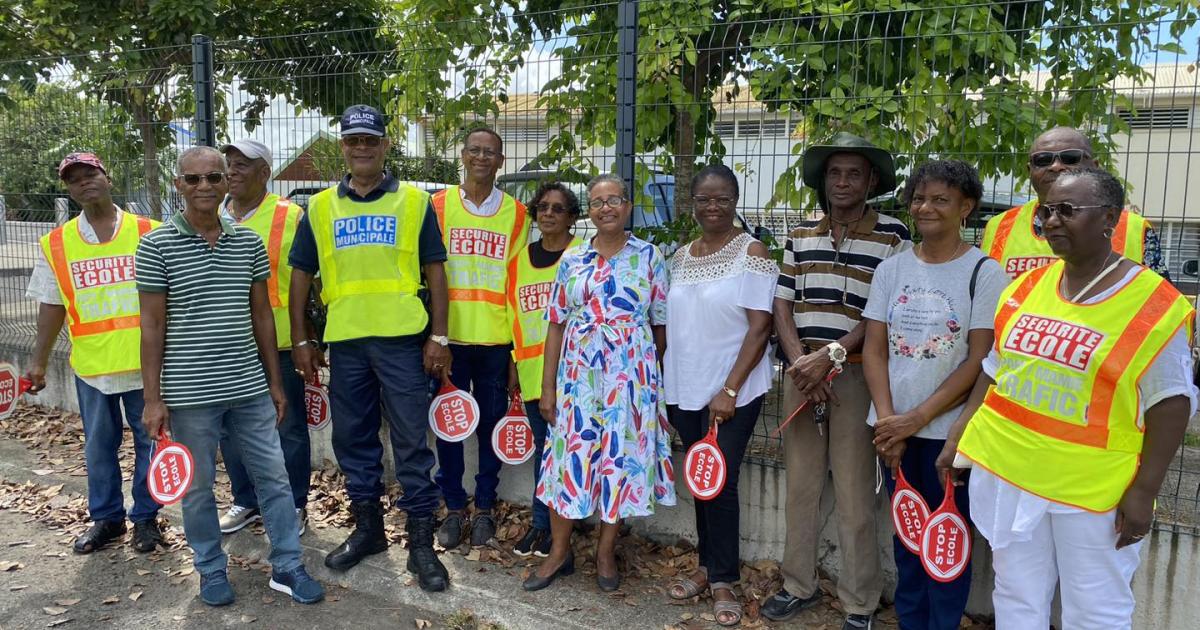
x=731, y=392
x=837, y=354
x=441, y=340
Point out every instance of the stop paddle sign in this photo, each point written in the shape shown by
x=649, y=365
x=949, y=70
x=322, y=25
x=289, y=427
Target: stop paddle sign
x=453, y=414
x=704, y=466
x=316, y=404
x=170, y=473
x=512, y=439
x=946, y=541
x=909, y=513
x=11, y=389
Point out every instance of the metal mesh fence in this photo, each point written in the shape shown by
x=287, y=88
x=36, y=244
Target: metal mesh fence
x=748, y=84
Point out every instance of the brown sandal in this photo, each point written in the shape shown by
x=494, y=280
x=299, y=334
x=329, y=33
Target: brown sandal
x=732, y=610
x=687, y=588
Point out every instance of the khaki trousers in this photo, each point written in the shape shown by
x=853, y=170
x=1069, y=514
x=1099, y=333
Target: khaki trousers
x=846, y=450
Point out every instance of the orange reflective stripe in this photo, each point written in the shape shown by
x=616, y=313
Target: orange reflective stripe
x=1009, y=307
x=528, y=352
x=476, y=295
x=518, y=225
x=1002, y=233
x=439, y=208
x=1123, y=351
x=1085, y=435
x=144, y=225
x=274, y=250
x=58, y=253
x=511, y=302
x=106, y=325
x=1121, y=233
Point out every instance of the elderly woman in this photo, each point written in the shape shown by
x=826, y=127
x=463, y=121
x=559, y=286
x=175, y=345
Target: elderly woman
x=929, y=326
x=1083, y=402
x=608, y=450
x=531, y=274
x=716, y=370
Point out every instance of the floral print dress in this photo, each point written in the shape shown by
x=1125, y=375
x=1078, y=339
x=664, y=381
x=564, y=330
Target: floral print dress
x=608, y=448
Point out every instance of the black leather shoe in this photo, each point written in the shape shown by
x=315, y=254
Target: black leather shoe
x=146, y=535
x=98, y=535
x=483, y=529
x=367, y=538
x=536, y=582
x=608, y=584
x=422, y=561
x=450, y=534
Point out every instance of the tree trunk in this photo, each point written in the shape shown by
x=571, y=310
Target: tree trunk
x=685, y=145
x=151, y=168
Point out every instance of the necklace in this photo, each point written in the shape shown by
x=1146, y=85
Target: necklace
x=921, y=246
x=1100, y=275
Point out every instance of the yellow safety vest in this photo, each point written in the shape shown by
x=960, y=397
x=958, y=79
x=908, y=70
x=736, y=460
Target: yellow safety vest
x=1009, y=239
x=479, y=250
x=275, y=223
x=370, y=263
x=528, y=295
x=1063, y=420
x=96, y=282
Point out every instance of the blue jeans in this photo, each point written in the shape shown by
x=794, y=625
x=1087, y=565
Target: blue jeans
x=483, y=371
x=923, y=603
x=293, y=438
x=102, y=435
x=250, y=423
x=360, y=370
x=541, y=513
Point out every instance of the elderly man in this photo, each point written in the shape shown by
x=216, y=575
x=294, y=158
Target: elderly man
x=484, y=230
x=101, y=302
x=373, y=240
x=823, y=287
x=1014, y=237
x=211, y=366
x=274, y=220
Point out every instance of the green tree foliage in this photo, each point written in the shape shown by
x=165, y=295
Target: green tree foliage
x=328, y=162
x=971, y=79
x=135, y=55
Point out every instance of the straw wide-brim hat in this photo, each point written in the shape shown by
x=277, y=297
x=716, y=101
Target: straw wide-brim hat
x=845, y=142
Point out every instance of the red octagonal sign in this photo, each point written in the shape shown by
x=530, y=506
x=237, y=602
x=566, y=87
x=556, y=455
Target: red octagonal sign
x=11, y=389
x=704, y=466
x=512, y=439
x=453, y=414
x=170, y=473
x=316, y=405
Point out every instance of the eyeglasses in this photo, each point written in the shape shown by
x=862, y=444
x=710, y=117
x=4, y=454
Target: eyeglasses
x=476, y=151
x=193, y=179
x=1064, y=209
x=720, y=202
x=613, y=202
x=1069, y=157
x=556, y=208
x=363, y=140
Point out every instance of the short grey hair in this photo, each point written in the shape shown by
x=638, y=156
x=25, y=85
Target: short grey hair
x=608, y=178
x=195, y=151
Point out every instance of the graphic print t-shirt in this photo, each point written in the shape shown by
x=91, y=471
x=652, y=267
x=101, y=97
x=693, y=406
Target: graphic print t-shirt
x=928, y=311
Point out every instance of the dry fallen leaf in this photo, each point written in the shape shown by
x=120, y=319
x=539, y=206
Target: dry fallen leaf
x=67, y=602
x=43, y=471
x=111, y=600
x=134, y=596
x=54, y=610
x=144, y=572
x=267, y=599
x=57, y=622
x=9, y=565
x=18, y=587
x=249, y=619
x=423, y=623
x=178, y=618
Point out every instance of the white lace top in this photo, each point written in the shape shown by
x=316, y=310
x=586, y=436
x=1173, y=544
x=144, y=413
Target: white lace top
x=707, y=322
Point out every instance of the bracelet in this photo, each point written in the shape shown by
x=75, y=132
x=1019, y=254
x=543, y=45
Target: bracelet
x=306, y=342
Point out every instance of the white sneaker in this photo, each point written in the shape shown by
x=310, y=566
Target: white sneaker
x=302, y=516
x=238, y=517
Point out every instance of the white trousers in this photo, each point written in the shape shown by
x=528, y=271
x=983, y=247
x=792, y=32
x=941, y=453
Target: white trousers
x=1077, y=549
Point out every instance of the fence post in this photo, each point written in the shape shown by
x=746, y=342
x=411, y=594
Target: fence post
x=627, y=43
x=203, y=87
x=3, y=222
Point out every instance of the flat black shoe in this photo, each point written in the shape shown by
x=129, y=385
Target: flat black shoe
x=98, y=535
x=608, y=584
x=483, y=529
x=450, y=534
x=784, y=605
x=536, y=583
x=147, y=536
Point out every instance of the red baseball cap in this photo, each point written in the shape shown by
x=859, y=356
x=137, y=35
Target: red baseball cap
x=80, y=158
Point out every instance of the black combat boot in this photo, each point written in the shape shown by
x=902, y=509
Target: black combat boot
x=431, y=573
x=367, y=538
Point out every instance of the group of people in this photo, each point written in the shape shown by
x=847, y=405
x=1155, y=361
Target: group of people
x=1048, y=373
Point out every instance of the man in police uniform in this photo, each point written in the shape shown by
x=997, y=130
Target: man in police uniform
x=372, y=239
x=87, y=264
x=484, y=229
x=274, y=219
x=1014, y=237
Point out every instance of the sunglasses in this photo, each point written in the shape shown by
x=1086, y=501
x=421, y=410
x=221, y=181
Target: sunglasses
x=556, y=208
x=1068, y=157
x=362, y=141
x=613, y=202
x=193, y=179
x=1065, y=210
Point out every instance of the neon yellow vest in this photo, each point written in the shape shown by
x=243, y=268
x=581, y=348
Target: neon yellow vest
x=479, y=250
x=1063, y=420
x=96, y=282
x=528, y=294
x=370, y=263
x=1010, y=241
x=275, y=223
